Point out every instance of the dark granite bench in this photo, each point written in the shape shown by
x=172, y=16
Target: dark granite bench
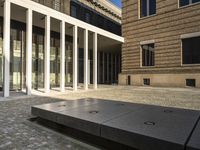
x=142, y=127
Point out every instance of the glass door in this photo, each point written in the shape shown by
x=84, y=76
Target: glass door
x=68, y=64
x=38, y=61
x=55, y=63
x=1, y=56
x=17, y=60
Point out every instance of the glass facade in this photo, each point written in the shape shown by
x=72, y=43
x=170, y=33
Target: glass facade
x=38, y=61
x=82, y=12
x=68, y=64
x=55, y=63
x=18, y=58
x=1, y=55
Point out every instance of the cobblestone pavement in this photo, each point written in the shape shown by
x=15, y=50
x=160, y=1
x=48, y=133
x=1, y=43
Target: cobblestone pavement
x=188, y=98
x=17, y=133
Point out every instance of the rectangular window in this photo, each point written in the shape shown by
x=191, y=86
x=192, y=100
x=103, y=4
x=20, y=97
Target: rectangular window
x=87, y=17
x=191, y=50
x=187, y=2
x=191, y=82
x=146, y=81
x=147, y=8
x=73, y=11
x=148, y=55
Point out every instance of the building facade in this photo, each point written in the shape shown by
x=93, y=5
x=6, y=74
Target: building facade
x=46, y=44
x=161, y=43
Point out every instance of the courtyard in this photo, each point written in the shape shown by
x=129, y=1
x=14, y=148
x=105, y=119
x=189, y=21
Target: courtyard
x=17, y=132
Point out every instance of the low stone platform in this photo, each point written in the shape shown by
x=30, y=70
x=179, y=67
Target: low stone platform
x=143, y=127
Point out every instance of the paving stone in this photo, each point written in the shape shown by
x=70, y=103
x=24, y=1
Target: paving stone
x=194, y=142
x=152, y=128
x=16, y=130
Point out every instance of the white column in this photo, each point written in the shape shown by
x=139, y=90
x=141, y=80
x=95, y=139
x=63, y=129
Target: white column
x=111, y=68
x=75, y=57
x=28, y=51
x=98, y=69
x=62, y=56
x=47, y=55
x=85, y=59
x=103, y=70
x=108, y=69
x=6, y=47
x=95, y=60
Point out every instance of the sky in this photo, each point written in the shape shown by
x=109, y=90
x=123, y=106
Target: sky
x=117, y=2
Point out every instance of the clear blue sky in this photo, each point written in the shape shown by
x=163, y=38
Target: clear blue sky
x=117, y=2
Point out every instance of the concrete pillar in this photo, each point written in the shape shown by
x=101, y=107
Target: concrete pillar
x=103, y=69
x=62, y=56
x=29, y=31
x=85, y=59
x=95, y=60
x=108, y=69
x=75, y=57
x=6, y=47
x=47, y=55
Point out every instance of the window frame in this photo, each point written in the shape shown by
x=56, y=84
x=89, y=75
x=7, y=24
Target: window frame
x=141, y=54
x=190, y=4
x=188, y=36
x=148, y=10
x=87, y=15
x=71, y=9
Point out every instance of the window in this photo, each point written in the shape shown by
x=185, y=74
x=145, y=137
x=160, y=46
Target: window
x=191, y=50
x=147, y=8
x=57, y=5
x=73, y=11
x=146, y=81
x=129, y=80
x=148, y=55
x=191, y=82
x=87, y=17
x=187, y=2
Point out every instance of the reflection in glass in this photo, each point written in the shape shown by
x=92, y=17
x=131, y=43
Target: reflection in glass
x=38, y=61
x=1, y=57
x=17, y=60
x=55, y=63
x=68, y=64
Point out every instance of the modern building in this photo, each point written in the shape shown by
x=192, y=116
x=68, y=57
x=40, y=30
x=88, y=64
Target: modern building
x=162, y=43
x=46, y=44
